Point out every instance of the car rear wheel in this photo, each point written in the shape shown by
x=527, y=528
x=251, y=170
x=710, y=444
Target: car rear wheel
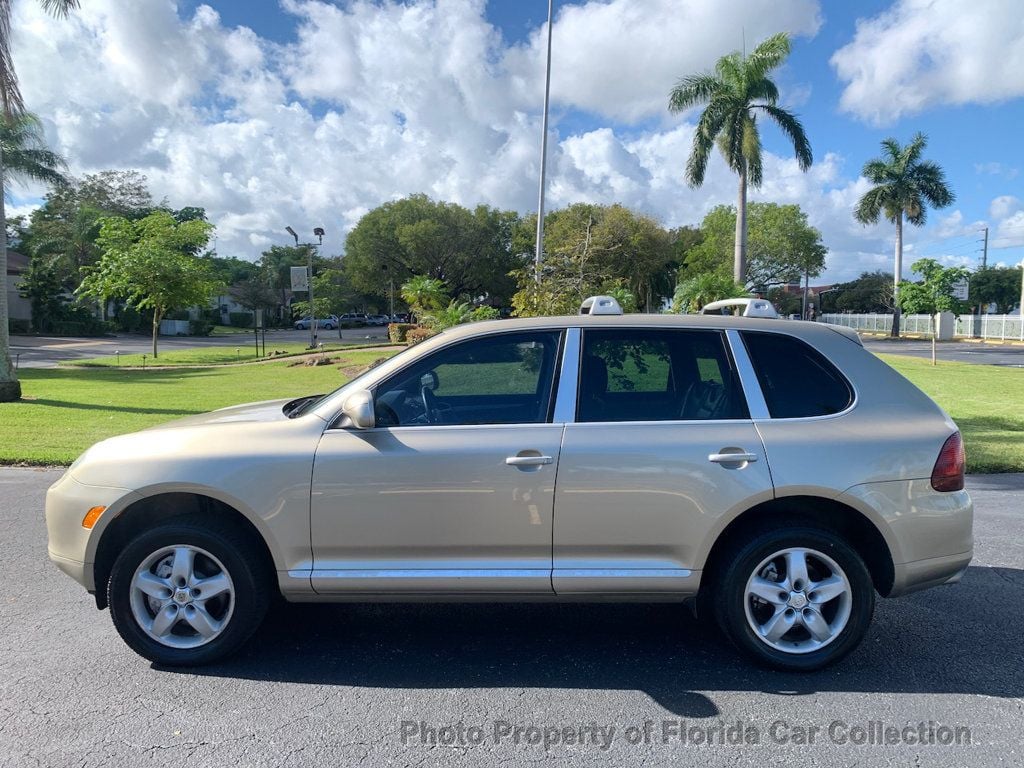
x=188, y=592
x=796, y=598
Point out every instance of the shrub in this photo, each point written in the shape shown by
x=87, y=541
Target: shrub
x=16, y=325
x=397, y=331
x=240, y=319
x=417, y=334
x=201, y=327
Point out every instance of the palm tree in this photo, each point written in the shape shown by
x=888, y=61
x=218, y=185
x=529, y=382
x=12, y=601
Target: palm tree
x=12, y=107
x=904, y=186
x=736, y=93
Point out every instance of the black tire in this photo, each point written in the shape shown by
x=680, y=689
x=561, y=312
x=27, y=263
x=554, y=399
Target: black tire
x=727, y=600
x=243, y=560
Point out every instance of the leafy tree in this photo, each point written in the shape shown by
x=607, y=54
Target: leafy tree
x=119, y=193
x=150, y=263
x=934, y=293
x=695, y=292
x=782, y=246
x=871, y=292
x=904, y=186
x=736, y=93
x=470, y=251
x=42, y=286
x=595, y=249
x=996, y=285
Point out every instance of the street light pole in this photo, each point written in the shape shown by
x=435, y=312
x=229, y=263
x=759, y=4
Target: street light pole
x=539, y=245
x=318, y=232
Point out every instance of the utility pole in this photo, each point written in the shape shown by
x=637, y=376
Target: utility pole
x=539, y=245
x=984, y=251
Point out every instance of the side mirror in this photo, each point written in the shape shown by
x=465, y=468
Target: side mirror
x=359, y=409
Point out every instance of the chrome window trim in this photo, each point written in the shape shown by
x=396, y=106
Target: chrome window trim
x=756, y=404
x=337, y=422
x=568, y=379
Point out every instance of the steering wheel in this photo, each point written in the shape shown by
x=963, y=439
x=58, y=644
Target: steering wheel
x=430, y=405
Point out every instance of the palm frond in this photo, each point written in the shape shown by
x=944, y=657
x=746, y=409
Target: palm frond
x=763, y=89
x=930, y=179
x=877, y=171
x=708, y=127
x=60, y=8
x=24, y=152
x=892, y=149
x=913, y=151
x=869, y=207
x=790, y=125
x=693, y=90
x=769, y=54
x=752, y=151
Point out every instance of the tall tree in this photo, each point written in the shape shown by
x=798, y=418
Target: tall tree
x=12, y=107
x=151, y=264
x=783, y=247
x=905, y=185
x=736, y=93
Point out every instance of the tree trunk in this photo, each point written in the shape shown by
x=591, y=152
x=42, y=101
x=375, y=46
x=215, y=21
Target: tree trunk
x=157, y=317
x=739, y=267
x=897, y=275
x=10, y=387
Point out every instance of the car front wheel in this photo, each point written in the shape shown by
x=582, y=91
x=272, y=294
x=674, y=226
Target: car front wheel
x=188, y=592
x=796, y=598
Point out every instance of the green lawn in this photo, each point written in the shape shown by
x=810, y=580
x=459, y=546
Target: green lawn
x=66, y=410
x=986, y=403
x=243, y=351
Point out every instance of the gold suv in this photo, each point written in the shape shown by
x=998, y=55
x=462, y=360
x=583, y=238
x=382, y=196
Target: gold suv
x=773, y=472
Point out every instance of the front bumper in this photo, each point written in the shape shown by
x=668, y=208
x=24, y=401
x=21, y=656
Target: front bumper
x=71, y=547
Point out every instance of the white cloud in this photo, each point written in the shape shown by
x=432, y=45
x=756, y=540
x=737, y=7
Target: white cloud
x=924, y=53
x=619, y=58
x=377, y=100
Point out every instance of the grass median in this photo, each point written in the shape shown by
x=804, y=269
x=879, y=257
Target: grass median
x=220, y=355
x=66, y=410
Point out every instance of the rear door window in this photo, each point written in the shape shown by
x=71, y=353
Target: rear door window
x=635, y=374
x=797, y=381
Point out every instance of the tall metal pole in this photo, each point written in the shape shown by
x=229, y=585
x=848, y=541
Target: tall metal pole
x=984, y=251
x=312, y=312
x=539, y=246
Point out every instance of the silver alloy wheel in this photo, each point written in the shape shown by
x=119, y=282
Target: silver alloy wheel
x=182, y=596
x=798, y=600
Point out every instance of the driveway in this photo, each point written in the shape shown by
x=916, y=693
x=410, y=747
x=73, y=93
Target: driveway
x=48, y=352
x=486, y=685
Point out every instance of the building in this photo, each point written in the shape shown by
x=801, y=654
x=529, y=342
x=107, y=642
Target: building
x=17, y=307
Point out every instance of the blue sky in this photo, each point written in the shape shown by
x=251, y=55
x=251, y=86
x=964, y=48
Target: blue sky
x=271, y=113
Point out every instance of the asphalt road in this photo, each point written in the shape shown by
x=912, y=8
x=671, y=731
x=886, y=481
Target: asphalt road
x=989, y=353
x=333, y=685
x=48, y=352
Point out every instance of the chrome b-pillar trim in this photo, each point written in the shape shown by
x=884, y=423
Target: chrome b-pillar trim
x=568, y=379
x=748, y=378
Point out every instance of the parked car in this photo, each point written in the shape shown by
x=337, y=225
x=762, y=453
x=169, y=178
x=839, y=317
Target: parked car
x=400, y=317
x=330, y=323
x=351, y=319
x=377, y=320
x=776, y=475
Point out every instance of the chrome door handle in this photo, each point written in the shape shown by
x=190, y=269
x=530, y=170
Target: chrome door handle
x=731, y=458
x=528, y=461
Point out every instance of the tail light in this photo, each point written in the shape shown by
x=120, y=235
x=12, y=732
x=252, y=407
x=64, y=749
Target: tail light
x=948, y=474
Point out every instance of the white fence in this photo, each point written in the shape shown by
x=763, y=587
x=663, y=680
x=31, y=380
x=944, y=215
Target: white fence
x=1002, y=327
